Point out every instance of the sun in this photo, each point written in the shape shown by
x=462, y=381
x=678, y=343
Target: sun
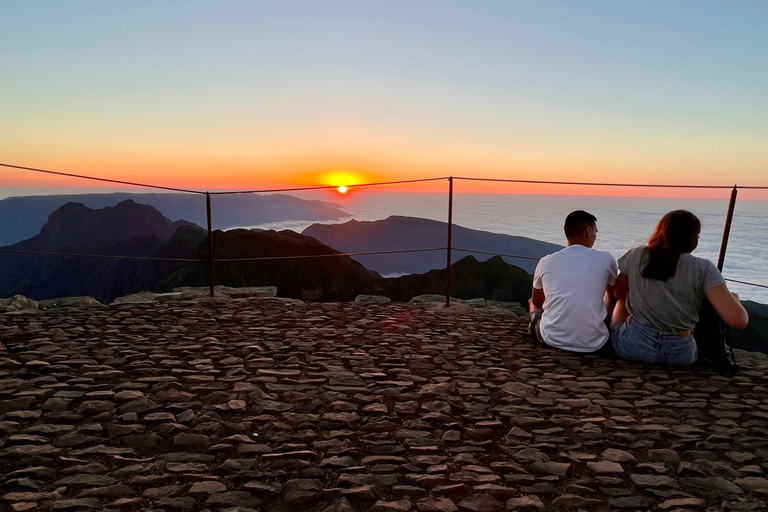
x=342, y=189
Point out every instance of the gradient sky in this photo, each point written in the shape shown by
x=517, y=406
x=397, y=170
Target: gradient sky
x=244, y=94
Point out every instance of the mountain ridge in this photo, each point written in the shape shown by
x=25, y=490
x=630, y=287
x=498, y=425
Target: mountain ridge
x=314, y=271
x=22, y=217
x=398, y=232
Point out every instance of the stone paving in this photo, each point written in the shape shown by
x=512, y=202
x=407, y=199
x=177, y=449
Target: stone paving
x=273, y=404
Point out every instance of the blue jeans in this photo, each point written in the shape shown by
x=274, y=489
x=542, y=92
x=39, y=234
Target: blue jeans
x=637, y=342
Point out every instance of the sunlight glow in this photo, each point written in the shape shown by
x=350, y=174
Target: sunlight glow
x=343, y=178
x=342, y=189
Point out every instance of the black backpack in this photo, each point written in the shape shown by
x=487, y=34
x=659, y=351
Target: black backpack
x=711, y=335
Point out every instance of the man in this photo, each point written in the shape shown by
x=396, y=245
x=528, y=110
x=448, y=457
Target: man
x=573, y=290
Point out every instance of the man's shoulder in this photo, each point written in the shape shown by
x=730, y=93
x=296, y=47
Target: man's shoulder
x=566, y=255
x=601, y=260
x=552, y=257
x=596, y=254
x=605, y=255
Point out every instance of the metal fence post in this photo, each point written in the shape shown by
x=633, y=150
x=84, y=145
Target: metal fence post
x=210, y=244
x=448, y=247
x=727, y=229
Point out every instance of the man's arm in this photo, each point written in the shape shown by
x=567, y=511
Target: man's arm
x=537, y=294
x=537, y=298
x=621, y=289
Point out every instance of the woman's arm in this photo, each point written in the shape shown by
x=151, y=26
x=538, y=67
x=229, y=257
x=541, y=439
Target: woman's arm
x=622, y=287
x=728, y=306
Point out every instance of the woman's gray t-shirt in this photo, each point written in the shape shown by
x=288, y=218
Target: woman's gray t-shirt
x=670, y=306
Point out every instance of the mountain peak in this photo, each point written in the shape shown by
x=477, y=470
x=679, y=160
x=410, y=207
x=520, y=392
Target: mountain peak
x=75, y=226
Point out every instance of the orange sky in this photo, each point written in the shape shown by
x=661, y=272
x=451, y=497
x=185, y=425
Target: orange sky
x=183, y=171
x=201, y=181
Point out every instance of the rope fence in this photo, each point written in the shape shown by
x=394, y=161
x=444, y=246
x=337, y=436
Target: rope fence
x=448, y=248
x=472, y=251
x=106, y=256
x=746, y=282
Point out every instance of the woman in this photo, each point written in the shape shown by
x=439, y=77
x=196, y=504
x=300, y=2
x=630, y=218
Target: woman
x=659, y=292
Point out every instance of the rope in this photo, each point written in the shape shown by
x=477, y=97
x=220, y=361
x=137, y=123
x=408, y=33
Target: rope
x=649, y=185
x=747, y=283
x=262, y=258
x=109, y=256
x=94, y=178
x=497, y=254
x=259, y=258
x=329, y=187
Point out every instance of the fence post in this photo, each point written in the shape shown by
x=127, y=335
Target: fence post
x=448, y=247
x=210, y=244
x=727, y=229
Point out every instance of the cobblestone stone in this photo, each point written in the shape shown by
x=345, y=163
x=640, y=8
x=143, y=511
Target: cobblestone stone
x=274, y=405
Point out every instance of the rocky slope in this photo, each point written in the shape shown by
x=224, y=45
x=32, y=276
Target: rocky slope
x=327, y=278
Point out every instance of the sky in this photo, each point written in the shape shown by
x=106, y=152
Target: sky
x=229, y=94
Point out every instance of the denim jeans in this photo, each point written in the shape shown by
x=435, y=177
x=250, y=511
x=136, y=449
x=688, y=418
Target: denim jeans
x=637, y=342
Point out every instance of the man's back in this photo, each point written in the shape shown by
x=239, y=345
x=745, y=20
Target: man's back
x=574, y=281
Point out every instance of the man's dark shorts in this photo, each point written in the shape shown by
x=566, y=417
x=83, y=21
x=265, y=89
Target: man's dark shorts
x=534, y=327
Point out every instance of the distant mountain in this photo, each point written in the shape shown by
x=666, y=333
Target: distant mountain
x=399, y=233
x=77, y=226
x=755, y=308
x=127, y=229
x=23, y=217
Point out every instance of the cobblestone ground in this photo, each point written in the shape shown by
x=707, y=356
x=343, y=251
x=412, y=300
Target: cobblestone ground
x=272, y=404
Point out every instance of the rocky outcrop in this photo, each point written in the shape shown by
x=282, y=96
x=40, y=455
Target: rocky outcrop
x=275, y=404
x=190, y=292
x=493, y=279
x=17, y=303
x=69, y=302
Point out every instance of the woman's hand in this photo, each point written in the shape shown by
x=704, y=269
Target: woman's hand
x=728, y=306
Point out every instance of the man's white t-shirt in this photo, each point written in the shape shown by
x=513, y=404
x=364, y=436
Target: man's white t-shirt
x=574, y=282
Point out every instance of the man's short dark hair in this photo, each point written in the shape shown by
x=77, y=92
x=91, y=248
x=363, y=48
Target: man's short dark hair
x=577, y=222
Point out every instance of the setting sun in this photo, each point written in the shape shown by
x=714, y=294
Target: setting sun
x=340, y=179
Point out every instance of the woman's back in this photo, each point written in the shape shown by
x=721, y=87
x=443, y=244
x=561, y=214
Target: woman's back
x=671, y=305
